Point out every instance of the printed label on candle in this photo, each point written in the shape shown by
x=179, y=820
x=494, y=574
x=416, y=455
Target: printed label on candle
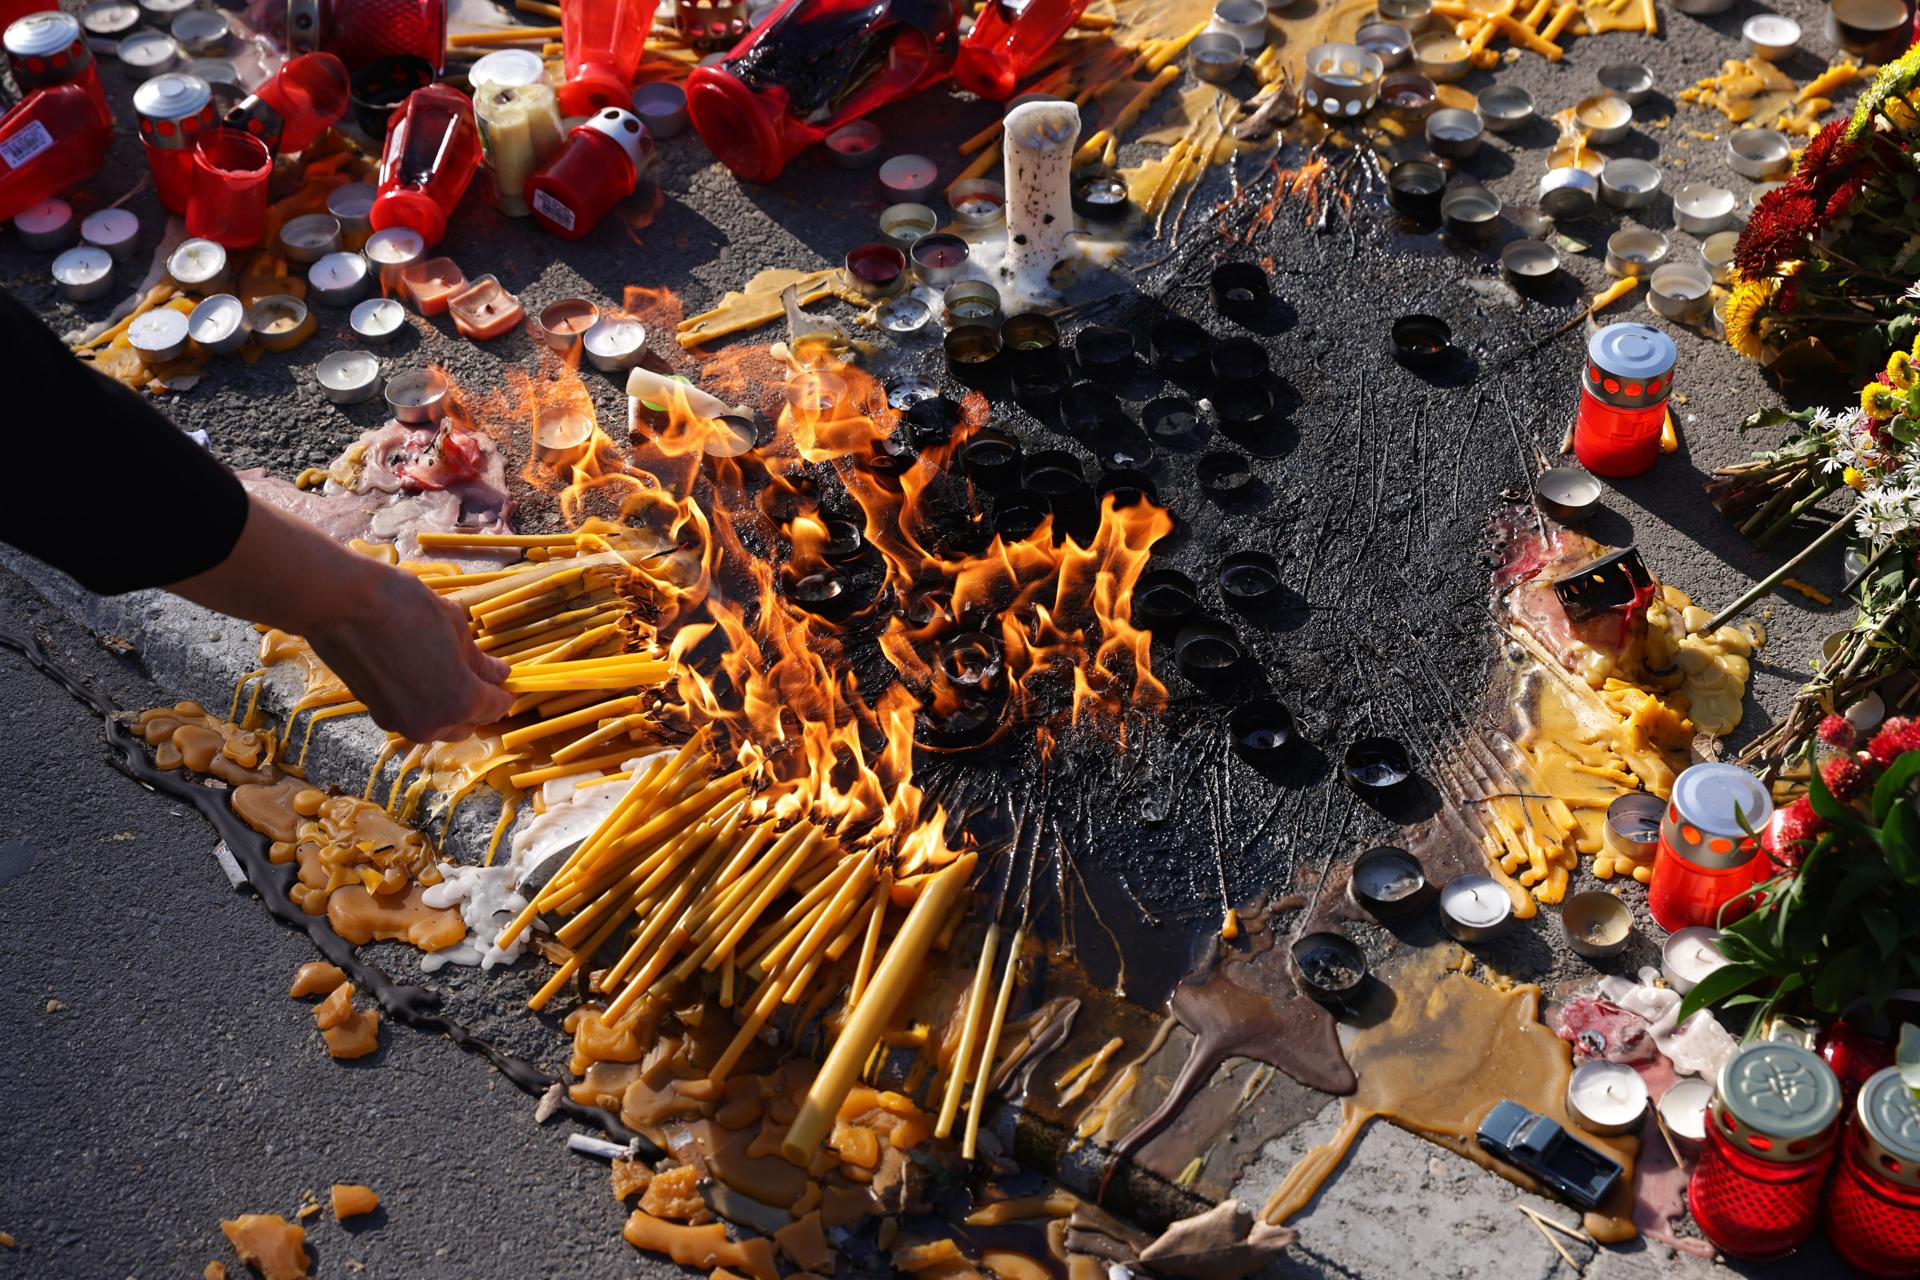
x=25, y=145
x=553, y=209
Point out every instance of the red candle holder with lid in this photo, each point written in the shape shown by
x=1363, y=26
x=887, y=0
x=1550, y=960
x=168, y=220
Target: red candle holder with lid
x=1770, y=1141
x=1708, y=851
x=1623, y=399
x=1873, y=1213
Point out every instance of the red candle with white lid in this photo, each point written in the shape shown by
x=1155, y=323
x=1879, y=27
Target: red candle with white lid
x=1770, y=1140
x=1873, y=1211
x=174, y=110
x=47, y=49
x=431, y=154
x=596, y=168
x=1708, y=846
x=602, y=41
x=1623, y=399
x=297, y=104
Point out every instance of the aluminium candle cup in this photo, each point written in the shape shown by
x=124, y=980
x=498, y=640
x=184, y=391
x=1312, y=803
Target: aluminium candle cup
x=1759, y=153
x=1414, y=15
x=1415, y=188
x=1342, y=80
x=1683, y=1108
x=877, y=269
x=200, y=32
x=1716, y=254
x=735, y=436
x=1770, y=36
x=1245, y=412
x=158, y=336
x=348, y=377
x=393, y=251
x=1059, y=475
x=1328, y=966
x=1103, y=351
x=1505, y=108
x=1635, y=251
x=1614, y=1094
x=903, y=224
x=351, y=205
x=1240, y=290
x=376, y=320
x=1529, y=264
x=1164, y=599
x=1605, y=116
x=1875, y=29
x=1039, y=383
x=1475, y=908
x=931, y=418
x=279, y=322
x=1127, y=488
x=938, y=259
x=991, y=460
x=857, y=145
x=339, y=280
x=971, y=302
x=909, y=179
x=1125, y=452
x=1597, y=924
x=218, y=325
x=110, y=19
x=615, y=344
x=1702, y=8
x=1031, y=337
x=1441, y=56
x=115, y=230
x=222, y=78
x=1246, y=19
x=198, y=266
x=1178, y=348
x=1174, y=422
x=418, y=397
x=1019, y=513
x=973, y=351
x=562, y=326
x=1378, y=768
x=1388, y=41
x=562, y=436
x=1216, y=56
x=1567, y=493
x=1759, y=193
x=1208, y=653
x=310, y=237
x=47, y=226
x=149, y=53
x=161, y=12
x=1700, y=208
x=1568, y=193
x=661, y=106
x=1101, y=196
x=1249, y=580
x=1454, y=133
x=1421, y=341
x=1627, y=183
x=1225, y=476
x=1630, y=80
x=1471, y=213
x=1680, y=291
x=1632, y=828
x=1407, y=95
x=1239, y=360
x=978, y=203
x=908, y=313
x=83, y=273
x=1689, y=955
x=1388, y=883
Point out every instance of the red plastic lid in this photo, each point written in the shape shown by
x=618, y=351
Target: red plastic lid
x=983, y=72
x=412, y=209
x=735, y=124
x=593, y=88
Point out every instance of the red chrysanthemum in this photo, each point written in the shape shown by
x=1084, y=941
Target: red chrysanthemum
x=1788, y=297
x=1836, y=732
x=1777, y=232
x=1797, y=827
x=1845, y=777
x=1840, y=199
x=1897, y=736
x=1827, y=147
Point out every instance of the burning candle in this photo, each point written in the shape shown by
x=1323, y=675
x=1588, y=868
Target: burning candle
x=1689, y=956
x=1038, y=145
x=340, y=279
x=83, y=273
x=562, y=325
x=1606, y=1097
x=431, y=284
x=1475, y=908
x=615, y=344
x=46, y=226
x=1683, y=1107
x=857, y=145
x=197, y=265
x=377, y=319
x=310, y=237
x=348, y=377
x=484, y=309
x=909, y=179
x=115, y=230
x=218, y=325
x=1387, y=881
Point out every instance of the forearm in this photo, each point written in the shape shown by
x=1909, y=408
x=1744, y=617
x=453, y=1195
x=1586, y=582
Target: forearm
x=284, y=573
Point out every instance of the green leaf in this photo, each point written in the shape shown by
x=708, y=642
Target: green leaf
x=1908, y=1055
x=1897, y=780
x=1884, y=929
x=1864, y=877
x=1900, y=842
x=1840, y=980
x=1718, y=985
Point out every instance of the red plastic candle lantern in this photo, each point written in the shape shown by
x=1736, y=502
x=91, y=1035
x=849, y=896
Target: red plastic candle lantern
x=601, y=41
x=228, y=203
x=301, y=101
x=432, y=153
x=363, y=31
x=595, y=169
x=811, y=67
x=53, y=140
x=1623, y=399
x=48, y=49
x=1008, y=39
x=1873, y=1214
x=174, y=110
x=1770, y=1138
x=1707, y=857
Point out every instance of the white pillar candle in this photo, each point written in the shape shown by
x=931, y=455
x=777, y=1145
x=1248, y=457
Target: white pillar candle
x=1689, y=956
x=1606, y=1097
x=1039, y=144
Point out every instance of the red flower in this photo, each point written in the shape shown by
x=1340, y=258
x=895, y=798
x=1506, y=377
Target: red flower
x=1836, y=732
x=1827, y=148
x=1897, y=736
x=1845, y=778
x=1789, y=295
x=1786, y=838
x=1777, y=232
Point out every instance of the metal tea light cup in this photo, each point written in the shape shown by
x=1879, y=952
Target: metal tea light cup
x=905, y=223
x=1240, y=290
x=1631, y=80
x=1606, y=117
x=1475, y=908
x=1262, y=730
x=1454, y=133
x=971, y=302
x=1216, y=56
x=83, y=273
x=1388, y=41
x=1770, y=36
x=1388, y=883
x=1471, y=213
x=1529, y=264
x=1441, y=56
x=1328, y=966
x=1407, y=95
x=1416, y=188
x=1568, y=193
x=1414, y=15
x=938, y=259
x=1680, y=291
x=418, y=397
x=348, y=377
x=1627, y=183
x=1505, y=108
x=1421, y=341
x=978, y=203
x=1759, y=153
x=1597, y=924
x=1342, y=80
x=1377, y=767
x=1164, y=600
x=1716, y=255
x=1567, y=493
x=1635, y=251
x=218, y=325
x=1700, y=208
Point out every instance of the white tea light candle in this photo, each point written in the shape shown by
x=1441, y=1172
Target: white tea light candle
x=1689, y=956
x=1606, y=1097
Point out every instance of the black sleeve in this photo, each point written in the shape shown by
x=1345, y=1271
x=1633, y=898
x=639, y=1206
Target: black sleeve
x=100, y=484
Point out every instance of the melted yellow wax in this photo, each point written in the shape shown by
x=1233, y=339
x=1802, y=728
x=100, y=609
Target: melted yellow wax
x=1755, y=92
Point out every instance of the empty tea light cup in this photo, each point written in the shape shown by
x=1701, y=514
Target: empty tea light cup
x=377, y=319
x=1700, y=208
x=1529, y=264
x=1387, y=881
x=1716, y=252
x=83, y=273
x=158, y=336
x=1407, y=95
x=1330, y=966
x=279, y=322
x=351, y=205
x=1441, y=56
x=200, y=32
x=909, y=313
x=1454, y=133
x=198, y=266
x=310, y=237
x=1415, y=188
x=1342, y=80
x=1249, y=579
x=615, y=344
x=1636, y=251
x=1759, y=153
x=972, y=302
x=978, y=202
x=905, y=223
x=910, y=179
x=1246, y=19
x=1597, y=924
x=1208, y=654
x=1216, y=56
x=1568, y=193
x=348, y=377
x=1770, y=36
x=1683, y=1109
x=1632, y=829
x=1629, y=184
x=1475, y=908
x=1631, y=80
x=1567, y=493
x=938, y=259
x=218, y=325
x=340, y=279
x=1505, y=108
x=1388, y=41
x=662, y=107
x=1606, y=117
x=1472, y=213
x=1377, y=767
x=1680, y=291
x=857, y=145
x=115, y=230
x=1421, y=341
x=1689, y=956
x=1606, y=1097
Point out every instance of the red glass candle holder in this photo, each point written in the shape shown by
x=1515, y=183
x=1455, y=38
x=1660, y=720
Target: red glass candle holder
x=173, y=110
x=602, y=43
x=363, y=31
x=1007, y=40
x=297, y=104
x=1770, y=1141
x=55, y=139
x=1873, y=1211
x=1708, y=857
x=431, y=154
x=228, y=204
x=1623, y=399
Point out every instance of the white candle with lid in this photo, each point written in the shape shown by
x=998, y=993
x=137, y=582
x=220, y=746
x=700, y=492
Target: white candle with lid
x=1689, y=956
x=1606, y=1097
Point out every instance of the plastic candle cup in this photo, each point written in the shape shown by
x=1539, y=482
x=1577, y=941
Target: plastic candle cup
x=1606, y=1097
x=484, y=309
x=432, y=283
x=228, y=202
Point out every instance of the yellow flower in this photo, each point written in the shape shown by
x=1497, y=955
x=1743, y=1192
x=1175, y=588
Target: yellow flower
x=1878, y=400
x=1900, y=370
x=1854, y=479
x=1744, y=304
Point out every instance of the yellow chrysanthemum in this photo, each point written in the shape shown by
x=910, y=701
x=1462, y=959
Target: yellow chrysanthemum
x=1744, y=304
x=1878, y=400
x=1854, y=479
x=1900, y=370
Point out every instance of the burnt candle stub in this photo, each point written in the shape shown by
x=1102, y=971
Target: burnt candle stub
x=1225, y=476
x=1388, y=883
x=1249, y=579
x=1421, y=341
x=1165, y=599
x=1378, y=766
x=931, y=419
x=1087, y=408
x=1208, y=653
x=1241, y=290
x=1179, y=348
x=1245, y=411
x=992, y=460
x=1038, y=384
x=1103, y=350
x=972, y=352
x=1174, y=422
x=1414, y=187
x=825, y=593
x=1262, y=730
x=1019, y=513
x=1329, y=966
x=1239, y=360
